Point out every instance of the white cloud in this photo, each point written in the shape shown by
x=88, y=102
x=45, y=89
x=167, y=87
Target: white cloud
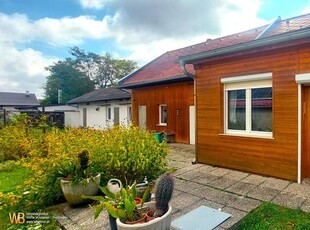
x=307, y=9
x=23, y=70
x=93, y=4
x=145, y=29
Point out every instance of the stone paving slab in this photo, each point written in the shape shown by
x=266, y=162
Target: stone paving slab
x=234, y=192
x=222, y=183
x=205, y=179
x=289, y=200
x=276, y=183
x=306, y=206
x=263, y=193
x=254, y=179
x=298, y=189
x=236, y=175
x=245, y=204
x=241, y=188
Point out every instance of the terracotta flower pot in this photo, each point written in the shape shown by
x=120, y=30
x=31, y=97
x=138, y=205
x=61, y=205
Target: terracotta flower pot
x=138, y=200
x=150, y=215
x=73, y=192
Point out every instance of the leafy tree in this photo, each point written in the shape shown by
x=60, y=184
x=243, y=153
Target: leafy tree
x=103, y=70
x=82, y=73
x=72, y=82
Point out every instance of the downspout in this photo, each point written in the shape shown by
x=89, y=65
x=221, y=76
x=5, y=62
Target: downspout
x=192, y=76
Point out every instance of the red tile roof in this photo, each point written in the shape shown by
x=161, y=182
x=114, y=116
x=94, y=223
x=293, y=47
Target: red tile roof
x=166, y=66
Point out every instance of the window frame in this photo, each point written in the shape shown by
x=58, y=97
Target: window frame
x=160, y=118
x=109, y=113
x=246, y=83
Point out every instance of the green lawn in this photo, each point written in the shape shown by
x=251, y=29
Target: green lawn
x=270, y=216
x=10, y=179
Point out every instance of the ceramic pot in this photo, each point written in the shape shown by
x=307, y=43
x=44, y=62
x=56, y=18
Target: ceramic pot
x=73, y=191
x=163, y=222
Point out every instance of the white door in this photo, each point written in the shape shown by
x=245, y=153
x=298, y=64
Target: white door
x=142, y=117
x=192, y=125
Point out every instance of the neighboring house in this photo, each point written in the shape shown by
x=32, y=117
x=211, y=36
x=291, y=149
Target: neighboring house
x=18, y=101
x=103, y=108
x=253, y=99
x=63, y=115
x=163, y=96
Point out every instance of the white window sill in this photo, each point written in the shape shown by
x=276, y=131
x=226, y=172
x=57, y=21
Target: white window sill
x=246, y=135
x=163, y=124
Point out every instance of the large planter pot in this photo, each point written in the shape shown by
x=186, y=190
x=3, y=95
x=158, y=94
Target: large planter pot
x=162, y=222
x=73, y=192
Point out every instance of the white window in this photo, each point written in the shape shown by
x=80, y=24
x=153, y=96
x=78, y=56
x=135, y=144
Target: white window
x=163, y=114
x=248, y=106
x=109, y=113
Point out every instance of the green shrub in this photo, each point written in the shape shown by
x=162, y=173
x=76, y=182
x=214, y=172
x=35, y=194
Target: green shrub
x=1, y=157
x=128, y=154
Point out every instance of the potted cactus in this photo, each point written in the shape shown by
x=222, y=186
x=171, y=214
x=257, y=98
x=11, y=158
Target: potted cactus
x=161, y=218
x=78, y=179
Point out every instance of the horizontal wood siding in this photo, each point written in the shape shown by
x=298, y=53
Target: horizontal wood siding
x=177, y=96
x=275, y=157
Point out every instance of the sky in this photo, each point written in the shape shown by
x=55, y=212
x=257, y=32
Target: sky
x=35, y=34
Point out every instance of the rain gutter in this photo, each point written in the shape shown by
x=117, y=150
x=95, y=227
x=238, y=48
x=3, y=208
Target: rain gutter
x=285, y=37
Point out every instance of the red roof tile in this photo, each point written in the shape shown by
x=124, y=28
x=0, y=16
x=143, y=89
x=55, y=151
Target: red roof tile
x=166, y=66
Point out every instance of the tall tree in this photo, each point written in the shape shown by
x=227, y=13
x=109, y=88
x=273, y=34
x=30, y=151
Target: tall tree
x=104, y=70
x=82, y=73
x=72, y=82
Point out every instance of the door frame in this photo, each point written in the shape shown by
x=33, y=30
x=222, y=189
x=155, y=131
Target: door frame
x=301, y=80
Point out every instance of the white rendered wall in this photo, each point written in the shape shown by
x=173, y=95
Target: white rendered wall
x=72, y=119
x=97, y=114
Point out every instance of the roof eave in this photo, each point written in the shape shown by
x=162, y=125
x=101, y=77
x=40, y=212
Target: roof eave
x=180, y=78
x=104, y=99
x=285, y=37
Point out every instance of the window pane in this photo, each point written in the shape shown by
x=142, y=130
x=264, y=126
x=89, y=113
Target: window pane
x=163, y=114
x=236, y=109
x=262, y=109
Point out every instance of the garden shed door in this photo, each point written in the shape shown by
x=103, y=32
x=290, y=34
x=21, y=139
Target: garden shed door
x=306, y=133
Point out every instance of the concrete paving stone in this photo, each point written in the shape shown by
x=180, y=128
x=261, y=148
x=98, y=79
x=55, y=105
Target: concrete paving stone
x=187, y=185
x=220, y=172
x=203, y=192
x=245, y=204
x=176, y=192
x=187, y=168
x=222, y=183
x=237, y=215
x=241, y=188
x=289, y=200
x=263, y=193
x=254, y=179
x=275, y=183
x=205, y=169
x=224, y=198
x=183, y=200
x=306, y=205
x=190, y=175
x=302, y=190
x=205, y=179
x=236, y=175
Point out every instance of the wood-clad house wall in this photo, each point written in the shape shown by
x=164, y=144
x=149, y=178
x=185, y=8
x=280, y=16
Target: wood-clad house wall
x=277, y=156
x=177, y=96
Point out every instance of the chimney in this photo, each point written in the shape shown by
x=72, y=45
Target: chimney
x=59, y=96
x=27, y=93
